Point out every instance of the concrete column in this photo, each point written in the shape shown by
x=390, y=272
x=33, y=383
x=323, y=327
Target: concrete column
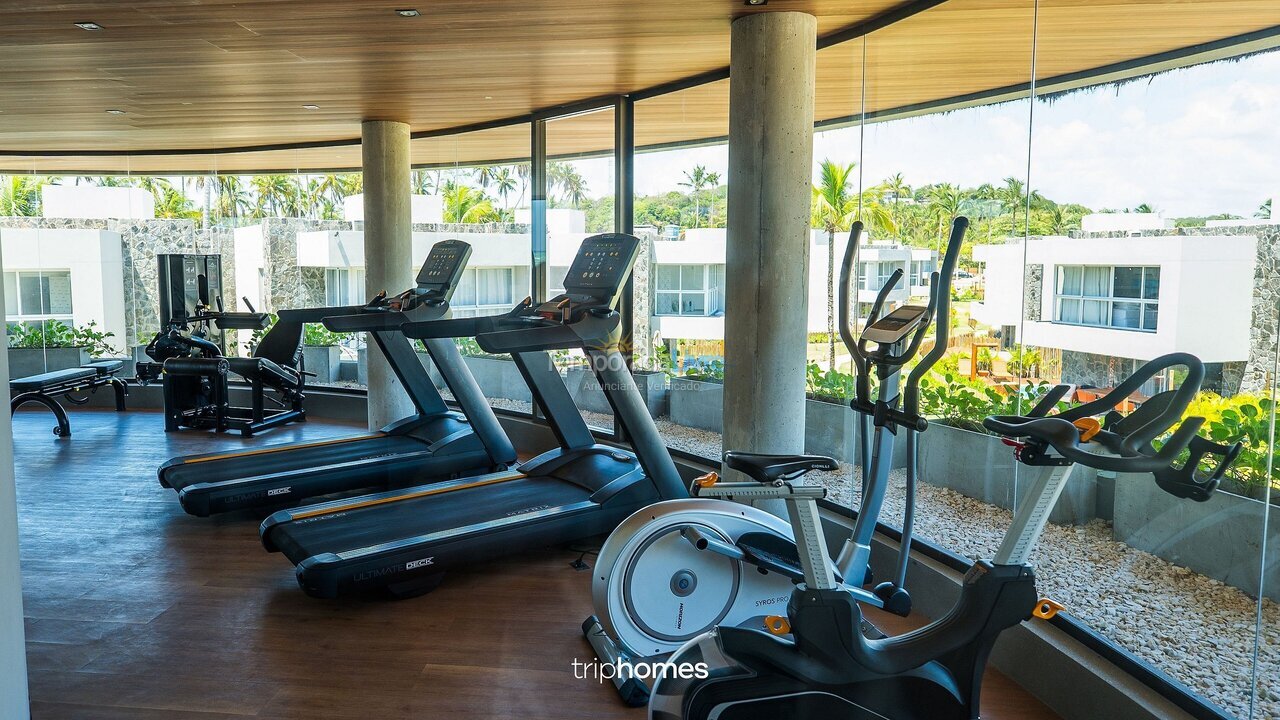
x=13, y=650
x=388, y=249
x=771, y=91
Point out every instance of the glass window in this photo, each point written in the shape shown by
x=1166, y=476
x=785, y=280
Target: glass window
x=1123, y=297
x=38, y=294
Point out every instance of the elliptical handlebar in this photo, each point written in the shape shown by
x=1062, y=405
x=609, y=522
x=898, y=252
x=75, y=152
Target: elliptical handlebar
x=862, y=383
x=940, y=312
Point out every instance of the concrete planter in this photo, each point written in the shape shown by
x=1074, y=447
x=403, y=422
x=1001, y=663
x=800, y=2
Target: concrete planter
x=362, y=367
x=323, y=361
x=697, y=404
x=982, y=467
x=24, y=362
x=584, y=386
x=1221, y=538
x=498, y=377
x=832, y=429
x=349, y=370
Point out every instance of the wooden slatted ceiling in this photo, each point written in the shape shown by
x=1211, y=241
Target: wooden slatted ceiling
x=249, y=87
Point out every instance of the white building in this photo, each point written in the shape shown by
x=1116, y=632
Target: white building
x=1124, y=222
x=1133, y=298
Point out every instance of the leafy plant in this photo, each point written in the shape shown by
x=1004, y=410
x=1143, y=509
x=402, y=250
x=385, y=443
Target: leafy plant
x=57, y=334
x=712, y=371
x=256, y=336
x=1025, y=362
x=317, y=335
x=1245, y=419
x=468, y=347
x=986, y=360
x=828, y=384
x=956, y=401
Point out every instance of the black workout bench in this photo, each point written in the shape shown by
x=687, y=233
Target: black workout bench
x=45, y=387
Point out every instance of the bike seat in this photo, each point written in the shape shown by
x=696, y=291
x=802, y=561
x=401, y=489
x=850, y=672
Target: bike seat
x=772, y=468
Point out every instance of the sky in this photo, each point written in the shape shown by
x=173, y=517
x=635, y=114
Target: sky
x=1196, y=141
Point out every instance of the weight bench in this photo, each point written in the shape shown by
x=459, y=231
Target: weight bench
x=45, y=387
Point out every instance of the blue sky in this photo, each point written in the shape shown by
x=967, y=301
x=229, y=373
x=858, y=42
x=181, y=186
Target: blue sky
x=1195, y=141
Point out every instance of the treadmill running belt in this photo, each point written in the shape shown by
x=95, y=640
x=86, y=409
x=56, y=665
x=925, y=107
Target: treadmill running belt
x=379, y=524
x=181, y=476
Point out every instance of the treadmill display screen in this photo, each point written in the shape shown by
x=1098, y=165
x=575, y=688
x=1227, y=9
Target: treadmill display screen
x=444, y=266
x=602, y=262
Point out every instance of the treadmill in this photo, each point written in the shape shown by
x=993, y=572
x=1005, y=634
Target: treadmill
x=401, y=542
x=433, y=444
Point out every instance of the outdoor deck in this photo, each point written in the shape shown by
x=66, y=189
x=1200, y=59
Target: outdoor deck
x=135, y=610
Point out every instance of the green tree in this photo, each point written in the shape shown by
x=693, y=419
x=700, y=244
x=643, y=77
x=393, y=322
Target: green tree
x=836, y=205
x=465, y=204
x=897, y=186
x=504, y=183
x=20, y=195
x=697, y=180
x=1264, y=210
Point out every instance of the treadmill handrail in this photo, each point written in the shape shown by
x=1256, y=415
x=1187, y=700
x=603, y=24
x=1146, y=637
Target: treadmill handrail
x=462, y=327
x=317, y=314
x=529, y=339
x=366, y=321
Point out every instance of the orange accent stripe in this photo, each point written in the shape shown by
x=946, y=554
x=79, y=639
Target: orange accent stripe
x=283, y=448
x=410, y=496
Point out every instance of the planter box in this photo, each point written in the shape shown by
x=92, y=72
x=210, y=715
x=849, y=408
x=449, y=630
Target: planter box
x=498, y=378
x=832, y=429
x=24, y=362
x=362, y=367
x=982, y=467
x=349, y=370
x=1221, y=538
x=584, y=386
x=323, y=361
x=697, y=404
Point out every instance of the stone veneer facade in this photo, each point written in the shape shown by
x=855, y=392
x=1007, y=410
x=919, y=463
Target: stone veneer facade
x=141, y=241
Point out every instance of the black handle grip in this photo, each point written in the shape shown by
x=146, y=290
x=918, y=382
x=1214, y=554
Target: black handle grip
x=1188, y=481
x=862, y=383
x=1173, y=412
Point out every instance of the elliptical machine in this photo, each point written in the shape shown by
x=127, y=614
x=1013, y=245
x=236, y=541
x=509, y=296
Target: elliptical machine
x=817, y=661
x=676, y=569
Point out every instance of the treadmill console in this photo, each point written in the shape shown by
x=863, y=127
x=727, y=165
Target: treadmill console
x=597, y=276
x=895, y=326
x=443, y=268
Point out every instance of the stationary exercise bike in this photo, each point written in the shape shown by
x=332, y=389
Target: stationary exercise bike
x=818, y=661
x=676, y=569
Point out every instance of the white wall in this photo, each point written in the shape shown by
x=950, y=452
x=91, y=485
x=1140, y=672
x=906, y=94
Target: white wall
x=345, y=248
x=96, y=264
x=1002, y=277
x=88, y=201
x=422, y=208
x=249, y=248
x=13, y=651
x=1206, y=295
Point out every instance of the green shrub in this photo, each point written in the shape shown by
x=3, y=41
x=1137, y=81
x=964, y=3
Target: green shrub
x=317, y=335
x=828, y=384
x=1245, y=419
x=959, y=402
x=1025, y=362
x=57, y=334
x=709, y=371
x=468, y=347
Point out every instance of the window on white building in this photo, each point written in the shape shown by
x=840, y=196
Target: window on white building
x=1124, y=296
x=696, y=290
x=875, y=275
x=37, y=295
x=344, y=286
x=920, y=272
x=483, y=291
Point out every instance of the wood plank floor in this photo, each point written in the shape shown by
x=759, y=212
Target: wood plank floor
x=136, y=610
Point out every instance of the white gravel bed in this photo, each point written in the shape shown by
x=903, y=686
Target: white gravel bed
x=1197, y=629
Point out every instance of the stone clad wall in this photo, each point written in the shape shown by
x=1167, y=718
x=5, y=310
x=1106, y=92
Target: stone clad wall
x=1033, y=292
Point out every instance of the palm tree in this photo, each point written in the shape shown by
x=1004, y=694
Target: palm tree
x=20, y=195
x=1264, y=210
x=504, y=182
x=1145, y=208
x=946, y=203
x=1012, y=195
x=425, y=182
x=233, y=198
x=896, y=186
x=567, y=178
x=575, y=189
x=277, y=195
x=464, y=204
x=174, y=203
x=835, y=208
x=484, y=175
x=698, y=180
